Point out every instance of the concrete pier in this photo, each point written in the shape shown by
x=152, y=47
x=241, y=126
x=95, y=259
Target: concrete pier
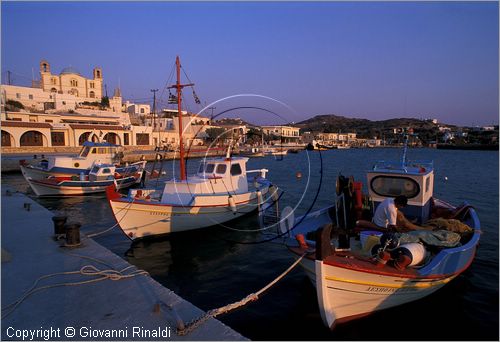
x=133, y=308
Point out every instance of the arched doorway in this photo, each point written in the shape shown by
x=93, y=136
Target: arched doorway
x=31, y=138
x=112, y=138
x=85, y=136
x=92, y=94
x=6, y=139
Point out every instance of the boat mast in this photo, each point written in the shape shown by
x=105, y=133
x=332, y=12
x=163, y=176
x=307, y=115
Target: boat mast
x=178, y=86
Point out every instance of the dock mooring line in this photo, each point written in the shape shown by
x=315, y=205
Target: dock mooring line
x=189, y=327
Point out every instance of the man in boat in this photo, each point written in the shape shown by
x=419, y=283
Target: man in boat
x=388, y=216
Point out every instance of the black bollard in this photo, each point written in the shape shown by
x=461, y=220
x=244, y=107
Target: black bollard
x=72, y=234
x=59, y=222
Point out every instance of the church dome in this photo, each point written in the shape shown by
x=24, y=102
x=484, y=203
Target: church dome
x=70, y=70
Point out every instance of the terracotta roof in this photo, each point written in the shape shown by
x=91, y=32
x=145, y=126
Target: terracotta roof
x=101, y=127
x=10, y=123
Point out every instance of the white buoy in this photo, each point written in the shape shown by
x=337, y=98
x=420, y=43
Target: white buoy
x=232, y=204
x=445, y=178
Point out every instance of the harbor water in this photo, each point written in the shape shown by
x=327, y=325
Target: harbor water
x=215, y=266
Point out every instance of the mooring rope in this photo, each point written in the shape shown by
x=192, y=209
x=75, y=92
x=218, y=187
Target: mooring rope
x=229, y=307
x=117, y=223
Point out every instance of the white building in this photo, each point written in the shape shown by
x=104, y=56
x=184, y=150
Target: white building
x=287, y=134
x=70, y=81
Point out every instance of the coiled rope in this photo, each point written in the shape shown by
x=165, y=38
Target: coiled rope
x=87, y=270
x=229, y=307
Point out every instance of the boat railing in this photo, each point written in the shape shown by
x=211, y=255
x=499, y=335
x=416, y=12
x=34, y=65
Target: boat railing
x=409, y=166
x=262, y=172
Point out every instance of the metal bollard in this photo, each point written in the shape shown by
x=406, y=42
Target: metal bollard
x=72, y=234
x=59, y=222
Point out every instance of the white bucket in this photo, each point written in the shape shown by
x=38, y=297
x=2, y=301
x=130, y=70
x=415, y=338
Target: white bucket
x=365, y=234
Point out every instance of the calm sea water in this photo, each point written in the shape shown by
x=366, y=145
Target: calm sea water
x=216, y=266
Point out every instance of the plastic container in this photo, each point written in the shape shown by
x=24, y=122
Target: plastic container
x=415, y=251
x=371, y=235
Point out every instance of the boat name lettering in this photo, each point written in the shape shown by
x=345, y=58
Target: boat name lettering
x=388, y=289
x=157, y=213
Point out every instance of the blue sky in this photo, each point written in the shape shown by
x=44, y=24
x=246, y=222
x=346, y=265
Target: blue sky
x=373, y=60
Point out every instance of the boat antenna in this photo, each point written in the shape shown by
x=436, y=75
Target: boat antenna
x=405, y=149
x=178, y=86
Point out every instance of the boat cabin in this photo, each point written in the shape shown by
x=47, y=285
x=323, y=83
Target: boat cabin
x=214, y=176
x=91, y=152
x=102, y=172
x=415, y=180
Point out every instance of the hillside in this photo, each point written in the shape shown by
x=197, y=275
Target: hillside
x=367, y=128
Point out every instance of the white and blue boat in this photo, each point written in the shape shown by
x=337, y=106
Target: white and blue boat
x=99, y=177
x=67, y=166
x=358, y=271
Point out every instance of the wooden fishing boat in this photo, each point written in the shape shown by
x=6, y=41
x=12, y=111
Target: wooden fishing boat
x=355, y=274
x=219, y=192
x=276, y=152
x=67, y=166
x=252, y=152
x=99, y=177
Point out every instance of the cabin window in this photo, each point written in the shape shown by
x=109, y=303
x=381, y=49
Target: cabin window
x=235, y=170
x=106, y=171
x=427, y=184
x=201, y=168
x=221, y=168
x=93, y=150
x=85, y=152
x=210, y=168
x=388, y=186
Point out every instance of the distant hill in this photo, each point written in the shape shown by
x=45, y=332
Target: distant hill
x=365, y=128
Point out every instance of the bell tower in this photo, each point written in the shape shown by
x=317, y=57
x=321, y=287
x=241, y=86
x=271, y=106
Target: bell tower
x=44, y=67
x=97, y=82
x=97, y=73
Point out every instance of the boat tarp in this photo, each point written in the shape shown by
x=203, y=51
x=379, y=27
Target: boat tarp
x=438, y=238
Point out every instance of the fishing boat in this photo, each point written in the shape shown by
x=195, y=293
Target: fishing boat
x=67, y=166
x=276, y=151
x=252, y=152
x=99, y=177
x=316, y=146
x=342, y=147
x=359, y=269
x=219, y=192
